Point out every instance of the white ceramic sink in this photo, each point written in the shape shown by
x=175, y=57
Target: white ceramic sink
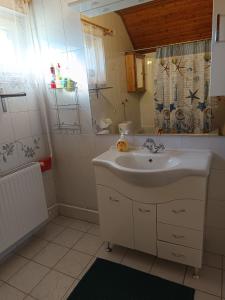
x=138, y=161
x=143, y=168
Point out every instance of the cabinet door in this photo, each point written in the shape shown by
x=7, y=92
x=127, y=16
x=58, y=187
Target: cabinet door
x=145, y=227
x=116, y=218
x=218, y=50
x=140, y=73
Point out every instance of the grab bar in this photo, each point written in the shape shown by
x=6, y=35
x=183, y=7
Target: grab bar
x=3, y=96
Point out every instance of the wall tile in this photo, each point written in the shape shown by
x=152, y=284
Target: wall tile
x=8, y=156
x=73, y=34
x=216, y=189
x=6, y=129
x=17, y=104
x=215, y=241
x=35, y=122
x=49, y=185
x=216, y=214
x=21, y=125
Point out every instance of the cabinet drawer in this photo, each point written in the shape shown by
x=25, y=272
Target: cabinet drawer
x=180, y=236
x=145, y=227
x=185, y=213
x=180, y=254
x=116, y=218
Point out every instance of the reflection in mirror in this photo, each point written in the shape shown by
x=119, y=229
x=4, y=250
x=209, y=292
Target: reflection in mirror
x=157, y=90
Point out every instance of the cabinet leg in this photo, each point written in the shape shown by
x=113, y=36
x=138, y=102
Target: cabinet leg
x=109, y=248
x=196, y=274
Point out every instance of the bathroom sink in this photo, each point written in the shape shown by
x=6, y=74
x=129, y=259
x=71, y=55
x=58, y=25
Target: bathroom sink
x=147, y=162
x=143, y=168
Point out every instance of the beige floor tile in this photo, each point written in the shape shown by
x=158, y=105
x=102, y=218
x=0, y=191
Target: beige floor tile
x=89, y=244
x=53, y=286
x=168, y=270
x=95, y=229
x=11, y=266
x=28, y=277
x=73, y=263
x=10, y=293
x=116, y=255
x=68, y=237
x=203, y=296
x=87, y=267
x=138, y=260
x=212, y=260
x=50, y=255
x=50, y=231
x=209, y=281
x=75, y=283
x=29, y=298
x=79, y=225
x=32, y=247
x=61, y=220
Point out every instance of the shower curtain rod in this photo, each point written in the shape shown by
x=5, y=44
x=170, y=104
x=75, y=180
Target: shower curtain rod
x=161, y=46
x=105, y=30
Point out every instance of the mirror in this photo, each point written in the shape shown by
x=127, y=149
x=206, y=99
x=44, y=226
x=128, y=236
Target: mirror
x=152, y=77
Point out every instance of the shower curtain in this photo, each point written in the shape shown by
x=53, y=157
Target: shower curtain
x=182, y=79
x=20, y=71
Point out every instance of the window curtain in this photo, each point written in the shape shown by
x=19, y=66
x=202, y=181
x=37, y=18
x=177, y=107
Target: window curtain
x=182, y=80
x=95, y=55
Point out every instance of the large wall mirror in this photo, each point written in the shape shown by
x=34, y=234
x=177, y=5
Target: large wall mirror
x=149, y=70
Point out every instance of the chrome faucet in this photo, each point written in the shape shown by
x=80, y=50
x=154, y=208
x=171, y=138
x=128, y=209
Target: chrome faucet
x=150, y=144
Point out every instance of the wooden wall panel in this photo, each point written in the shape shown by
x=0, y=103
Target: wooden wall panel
x=163, y=22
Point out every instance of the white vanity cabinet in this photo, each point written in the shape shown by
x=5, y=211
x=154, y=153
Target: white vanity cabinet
x=218, y=49
x=166, y=221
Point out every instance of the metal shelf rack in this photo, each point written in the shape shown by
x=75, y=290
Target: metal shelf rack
x=73, y=127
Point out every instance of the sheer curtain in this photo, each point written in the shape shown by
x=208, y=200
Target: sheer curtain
x=182, y=80
x=20, y=72
x=95, y=55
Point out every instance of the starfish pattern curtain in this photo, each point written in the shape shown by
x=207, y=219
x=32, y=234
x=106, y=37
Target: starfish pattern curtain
x=182, y=79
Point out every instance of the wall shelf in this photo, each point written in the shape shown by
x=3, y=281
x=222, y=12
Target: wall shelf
x=63, y=114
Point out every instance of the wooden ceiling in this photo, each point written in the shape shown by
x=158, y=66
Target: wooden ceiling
x=163, y=22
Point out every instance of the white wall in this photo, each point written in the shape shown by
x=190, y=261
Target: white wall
x=74, y=172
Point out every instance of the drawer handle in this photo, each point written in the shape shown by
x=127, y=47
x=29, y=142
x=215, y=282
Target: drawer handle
x=144, y=210
x=179, y=211
x=176, y=236
x=113, y=199
x=178, y=255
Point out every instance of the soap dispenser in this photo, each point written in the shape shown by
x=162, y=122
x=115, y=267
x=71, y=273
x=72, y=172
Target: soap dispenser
x=122, y=144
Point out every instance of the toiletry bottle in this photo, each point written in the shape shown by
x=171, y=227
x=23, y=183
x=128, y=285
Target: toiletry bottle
x=122, y=144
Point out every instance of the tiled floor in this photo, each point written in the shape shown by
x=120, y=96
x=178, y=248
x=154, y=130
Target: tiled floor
x=51, y=264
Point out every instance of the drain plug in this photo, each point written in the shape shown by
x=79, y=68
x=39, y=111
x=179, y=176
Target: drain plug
x=150, y=160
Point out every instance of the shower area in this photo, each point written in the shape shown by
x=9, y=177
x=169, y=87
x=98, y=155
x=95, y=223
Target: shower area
x=43, y=100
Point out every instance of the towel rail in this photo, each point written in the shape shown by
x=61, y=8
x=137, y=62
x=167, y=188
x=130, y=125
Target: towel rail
x=3, y=96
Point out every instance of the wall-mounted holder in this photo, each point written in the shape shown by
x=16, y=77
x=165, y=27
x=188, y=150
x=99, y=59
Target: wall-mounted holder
x=4, y=96
x=97, y=89
x=220, y=30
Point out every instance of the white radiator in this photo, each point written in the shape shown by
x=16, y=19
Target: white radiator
x=22, y=204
